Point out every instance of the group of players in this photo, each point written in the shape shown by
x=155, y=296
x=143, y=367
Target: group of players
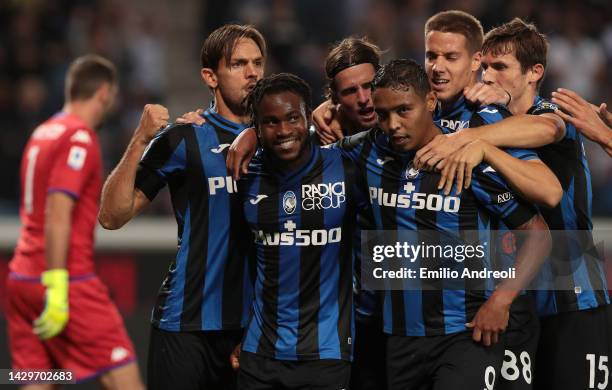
x=270, y=263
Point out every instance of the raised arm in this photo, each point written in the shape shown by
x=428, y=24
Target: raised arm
x=590, y=120
x=121, y=200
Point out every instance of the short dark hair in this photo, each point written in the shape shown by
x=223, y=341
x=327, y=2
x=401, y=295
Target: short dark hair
x=522, y=39
x=403, y=74
x=281, y=82
x=347, y=53
x=221, y=43
x=458, y=22
x=86, y=74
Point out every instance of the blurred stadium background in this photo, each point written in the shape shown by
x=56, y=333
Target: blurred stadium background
x=156, y=46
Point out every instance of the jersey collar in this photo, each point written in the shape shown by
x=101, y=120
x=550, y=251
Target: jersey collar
x=458, y=107
x=212, y=116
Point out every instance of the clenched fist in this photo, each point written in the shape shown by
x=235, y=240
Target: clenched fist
x=154, y=118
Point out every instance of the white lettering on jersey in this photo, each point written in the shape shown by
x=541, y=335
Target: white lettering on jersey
x=216, y=183
x=454, y=125
x=506, y=196
x=76, y=157
x=415, y=200
x=323, y=196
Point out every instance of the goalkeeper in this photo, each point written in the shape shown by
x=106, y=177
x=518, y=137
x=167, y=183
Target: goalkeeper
x=59, y=314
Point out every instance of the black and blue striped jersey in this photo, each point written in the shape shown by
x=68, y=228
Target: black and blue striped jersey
x=303, y=223
x=579, y=280
x=208, y=286
x=405, y=199
x=461, y=115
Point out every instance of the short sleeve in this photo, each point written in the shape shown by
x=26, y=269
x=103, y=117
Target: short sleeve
x=487, y=115
x=546, y=107
x=493, y=193
x=165, y=156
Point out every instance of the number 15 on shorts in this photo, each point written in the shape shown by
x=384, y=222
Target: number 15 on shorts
x=598, y=371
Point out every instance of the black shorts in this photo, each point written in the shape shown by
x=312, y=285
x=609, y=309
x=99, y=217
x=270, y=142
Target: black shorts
x=442, y=362
x=522, y=337
x=259, y=373
x=369, y=370
x=191, y=360
x=574, y=351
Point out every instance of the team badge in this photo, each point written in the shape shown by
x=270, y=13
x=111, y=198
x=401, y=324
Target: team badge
x=411, y=172
x=289, y=202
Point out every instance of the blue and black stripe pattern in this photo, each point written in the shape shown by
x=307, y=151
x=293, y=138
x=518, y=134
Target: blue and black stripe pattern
x=303, y=223
x=391, y=180
x=208, y=284
x=462, y=115
x=580, y=281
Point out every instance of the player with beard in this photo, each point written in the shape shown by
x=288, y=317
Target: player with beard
x=204, y=300
x=300, y=202
x=575, y=329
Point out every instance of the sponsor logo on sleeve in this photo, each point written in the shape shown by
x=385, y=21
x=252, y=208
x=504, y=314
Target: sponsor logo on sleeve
x=76, y=157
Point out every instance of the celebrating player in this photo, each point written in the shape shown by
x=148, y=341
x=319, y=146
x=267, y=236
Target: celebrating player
x=350, y=67
x=59, y=313
x=575, y=329
x=203, y=303
x=299, y=202
x=404, y=104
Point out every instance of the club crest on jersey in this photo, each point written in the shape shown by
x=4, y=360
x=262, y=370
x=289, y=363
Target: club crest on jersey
x=411, y=172
x=544, y=105
x=289, y=202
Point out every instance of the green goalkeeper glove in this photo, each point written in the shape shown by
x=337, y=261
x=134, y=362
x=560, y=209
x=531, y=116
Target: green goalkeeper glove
x=55, y=315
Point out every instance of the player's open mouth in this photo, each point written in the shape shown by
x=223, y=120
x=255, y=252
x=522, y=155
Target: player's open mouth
x=367, y=114
x=439, y=83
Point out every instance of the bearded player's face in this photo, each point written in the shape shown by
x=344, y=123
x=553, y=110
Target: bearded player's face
x=236, y=78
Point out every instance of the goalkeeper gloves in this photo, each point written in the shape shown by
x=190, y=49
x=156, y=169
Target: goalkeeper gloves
x=55, y=315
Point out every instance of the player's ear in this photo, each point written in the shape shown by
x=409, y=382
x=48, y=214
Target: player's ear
x=431, y=101
x=536, y=73
x=210, y=77
x=476, y=61
x=104, y=93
